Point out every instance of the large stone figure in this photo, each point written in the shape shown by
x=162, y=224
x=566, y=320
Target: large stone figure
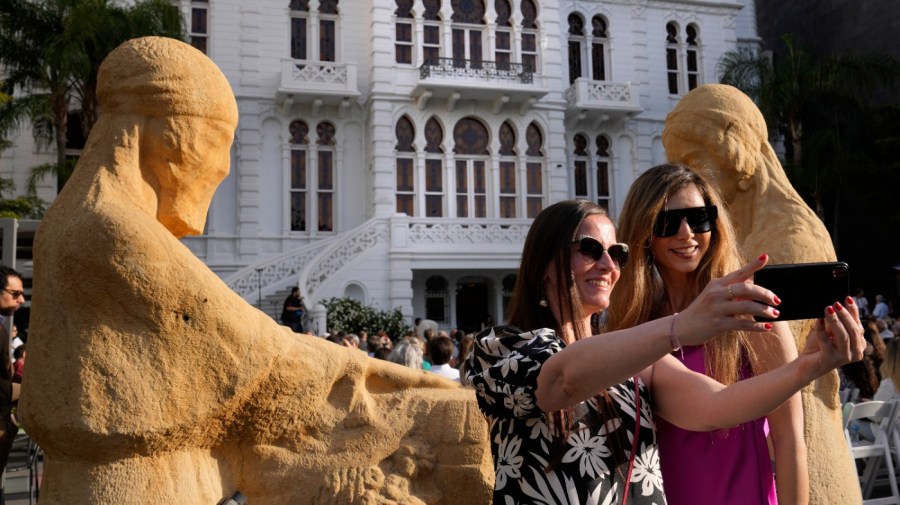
x=718, y=129
x=149, y=381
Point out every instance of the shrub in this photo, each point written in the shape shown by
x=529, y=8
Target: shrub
x=351, y=316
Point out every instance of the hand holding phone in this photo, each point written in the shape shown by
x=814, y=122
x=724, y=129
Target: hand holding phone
x=805, y=289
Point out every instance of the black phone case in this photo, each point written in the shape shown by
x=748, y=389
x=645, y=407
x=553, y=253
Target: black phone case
x=805, y=289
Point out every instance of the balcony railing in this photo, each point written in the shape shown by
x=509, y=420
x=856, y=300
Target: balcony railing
x=477, y=70
x=611, y=97
x=318, y=76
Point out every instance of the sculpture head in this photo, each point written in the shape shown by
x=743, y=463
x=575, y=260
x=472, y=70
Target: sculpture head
x=186, y=114
x=716, y=128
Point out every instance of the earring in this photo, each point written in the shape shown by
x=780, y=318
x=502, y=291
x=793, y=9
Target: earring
x=543, y=301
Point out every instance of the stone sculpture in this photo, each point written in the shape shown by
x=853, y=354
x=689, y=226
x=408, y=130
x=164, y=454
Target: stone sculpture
x=717, y=129
x=150, y=381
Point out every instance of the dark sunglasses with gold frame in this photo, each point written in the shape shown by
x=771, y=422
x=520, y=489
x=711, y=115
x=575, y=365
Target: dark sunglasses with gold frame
x=592, y=248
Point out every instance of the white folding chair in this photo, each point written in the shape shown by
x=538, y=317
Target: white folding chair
x=882, y=416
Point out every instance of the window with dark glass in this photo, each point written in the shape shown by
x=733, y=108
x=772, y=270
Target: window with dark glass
x=692, y=50
x=299, y=146
x=598, y=48
x=672, y=57
x=200, y=25
x=403, y=46
x=579, y=174
x=405, y=133
x=468, y=32
x=325, y=179
x=431, y=43
x=299, y=16
x=508, y=187
x=534, y=170
x=434, y=169
x=576, y=38
x=436, y=298
x=603, y=196
x=470, y=145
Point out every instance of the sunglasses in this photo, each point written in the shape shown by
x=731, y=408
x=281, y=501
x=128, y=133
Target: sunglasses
x=700, y=220
x=593, y=249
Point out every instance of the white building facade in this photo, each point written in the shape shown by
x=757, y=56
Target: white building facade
x=395, y=151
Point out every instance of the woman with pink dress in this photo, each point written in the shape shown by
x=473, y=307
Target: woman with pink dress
x=681, y=237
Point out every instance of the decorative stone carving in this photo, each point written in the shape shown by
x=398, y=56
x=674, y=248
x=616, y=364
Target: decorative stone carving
x=149, y=380
x=719, y=130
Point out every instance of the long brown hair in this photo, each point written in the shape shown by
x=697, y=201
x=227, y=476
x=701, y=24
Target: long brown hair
x=552, y=231
x=641, y=294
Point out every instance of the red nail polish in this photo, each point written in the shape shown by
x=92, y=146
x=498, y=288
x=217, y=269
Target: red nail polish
x=776, y=312
x=849, y=300
x=767, y=326
x=777, y=300
x=838, y=306
x=763, y=256
x=830, y=310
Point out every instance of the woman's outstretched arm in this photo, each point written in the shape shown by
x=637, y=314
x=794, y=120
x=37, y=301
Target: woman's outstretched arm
x=696, y=402
x=588, y=366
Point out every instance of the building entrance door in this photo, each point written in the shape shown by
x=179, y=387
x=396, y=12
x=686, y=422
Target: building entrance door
x=471, y=303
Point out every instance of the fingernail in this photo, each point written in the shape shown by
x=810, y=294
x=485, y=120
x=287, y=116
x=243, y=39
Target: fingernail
x=830, y=310
x=838, y=306
x=777, y=300
x=776, y=312
x=763, y=256
x=767, y=326
x=849, y=300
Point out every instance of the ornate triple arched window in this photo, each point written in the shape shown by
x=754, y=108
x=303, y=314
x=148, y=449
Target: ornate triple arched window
x=470, y=138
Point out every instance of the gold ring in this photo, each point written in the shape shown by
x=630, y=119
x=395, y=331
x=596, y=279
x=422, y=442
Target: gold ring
x=730, y=292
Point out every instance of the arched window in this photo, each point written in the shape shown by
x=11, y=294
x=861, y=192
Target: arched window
x=508, y=168
x=534, y=170
x=576, y=39
x=325, y=176
x=672, y=57
x=682, y=58
x=403, y=32
x=299, y=132
x=503, y=39
x=580, y=157
x=602, y=164
x=599, y=48
x=406, y=188
x=434, y=168
x=470, y=144
x=468, y=33
x=529, y=35
x=692, y=55
x=591, y=184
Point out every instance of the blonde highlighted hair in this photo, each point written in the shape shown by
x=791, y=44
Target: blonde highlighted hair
x=640, y=294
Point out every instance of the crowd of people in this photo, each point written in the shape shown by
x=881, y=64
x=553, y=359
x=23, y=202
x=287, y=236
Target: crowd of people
x=872, y=378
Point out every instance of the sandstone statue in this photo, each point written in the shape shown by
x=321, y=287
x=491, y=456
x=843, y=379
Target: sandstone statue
x=717, y=129
x=149, y=381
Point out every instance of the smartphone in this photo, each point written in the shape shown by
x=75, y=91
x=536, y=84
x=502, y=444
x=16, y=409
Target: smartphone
x=805, y=289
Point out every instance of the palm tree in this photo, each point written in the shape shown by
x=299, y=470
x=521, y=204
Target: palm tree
x=51, y=51
x=822, y=102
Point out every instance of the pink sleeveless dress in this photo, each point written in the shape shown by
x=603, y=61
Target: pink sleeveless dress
x=726, y=467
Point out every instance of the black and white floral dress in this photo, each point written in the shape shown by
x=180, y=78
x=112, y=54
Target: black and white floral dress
x=503, y=369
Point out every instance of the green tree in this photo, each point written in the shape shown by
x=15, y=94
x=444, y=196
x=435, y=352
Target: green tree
x=51, y=50
x=822, y=106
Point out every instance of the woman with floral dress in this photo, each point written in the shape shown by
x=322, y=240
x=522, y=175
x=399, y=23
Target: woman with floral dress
x=571, y=417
